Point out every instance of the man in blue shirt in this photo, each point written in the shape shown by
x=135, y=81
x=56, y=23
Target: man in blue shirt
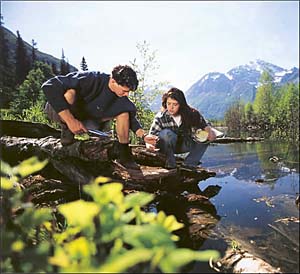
x=85, y=100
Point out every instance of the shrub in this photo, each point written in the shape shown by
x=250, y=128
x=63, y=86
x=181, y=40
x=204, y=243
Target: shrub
x=110, y=233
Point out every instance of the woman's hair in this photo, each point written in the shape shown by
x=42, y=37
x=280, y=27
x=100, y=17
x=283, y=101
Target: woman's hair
x=125, y=76
x=190, y=116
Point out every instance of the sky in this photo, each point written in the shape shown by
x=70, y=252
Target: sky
x=189, y=38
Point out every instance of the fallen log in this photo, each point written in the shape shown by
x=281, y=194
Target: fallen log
x=83, y=161
x=226, y=140
x=27, y=129
x=241, y=261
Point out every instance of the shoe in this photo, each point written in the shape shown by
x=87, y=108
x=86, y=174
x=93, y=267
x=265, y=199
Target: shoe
x=170, y=167
x=189, y=168
x=66, y=137
x=129, y=164
x=126, y=158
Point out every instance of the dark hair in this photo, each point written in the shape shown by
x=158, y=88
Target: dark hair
x=125, y=76
x=190, y=116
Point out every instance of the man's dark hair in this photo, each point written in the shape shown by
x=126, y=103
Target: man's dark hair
x=125, y=76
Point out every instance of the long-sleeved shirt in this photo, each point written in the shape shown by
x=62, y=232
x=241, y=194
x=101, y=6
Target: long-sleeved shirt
x=95, y=98
x=163, y=120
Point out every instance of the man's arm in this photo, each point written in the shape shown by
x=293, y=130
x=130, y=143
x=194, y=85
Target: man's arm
x=55, y=88
x=73, y=124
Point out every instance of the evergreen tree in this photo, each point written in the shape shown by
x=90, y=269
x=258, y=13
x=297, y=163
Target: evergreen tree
x=54, y=69
x=33, y=51
x=7, y=75
x=83, y=64
x=63, y=64
x=22, y=63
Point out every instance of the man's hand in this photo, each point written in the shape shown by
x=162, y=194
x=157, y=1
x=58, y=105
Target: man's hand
x=76, y=127
x=73, y=124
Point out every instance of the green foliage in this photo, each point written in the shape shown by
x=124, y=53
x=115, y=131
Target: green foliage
x=108, y=233
x=274, y=112
x=23, y=227
x=263, y=103
x=148, y=89
x=29, y=92
x=234, y=116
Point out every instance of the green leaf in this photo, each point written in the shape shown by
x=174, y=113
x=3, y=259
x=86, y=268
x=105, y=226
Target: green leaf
x=82, y=137
x=60, y=258
x=101, y=180
x=129, y=259
x=80, y=248
x=66, y=235
x=147, y=236
x=30, y=166
x=138, y=199
x=182, y=256
x=6, y=184
x=111, y=225
x=17, y=246
x=104, y=194
x=33, y=217
x=169, y=222
x=79, y=213
x=6, y=169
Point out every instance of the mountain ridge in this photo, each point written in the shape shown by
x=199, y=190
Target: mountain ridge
x=215, y=92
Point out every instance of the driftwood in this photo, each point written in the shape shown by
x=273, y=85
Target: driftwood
x=241, y=261
x=226, y=140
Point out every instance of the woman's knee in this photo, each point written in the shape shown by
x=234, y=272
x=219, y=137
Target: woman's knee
x=167, y=135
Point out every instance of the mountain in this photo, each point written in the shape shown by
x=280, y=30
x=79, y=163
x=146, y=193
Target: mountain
x=11, y=39
x=214, y=93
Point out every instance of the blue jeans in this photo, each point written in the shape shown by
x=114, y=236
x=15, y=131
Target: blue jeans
x=170, y=145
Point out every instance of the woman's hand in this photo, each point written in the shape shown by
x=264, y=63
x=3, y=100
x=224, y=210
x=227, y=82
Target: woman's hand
x=151, y=139
x=148, y=138
x=211, y=134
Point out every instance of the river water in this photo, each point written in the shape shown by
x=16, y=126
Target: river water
x=255, y=206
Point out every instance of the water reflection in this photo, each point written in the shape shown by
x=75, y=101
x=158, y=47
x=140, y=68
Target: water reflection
x=250, y=161
x=257, y=191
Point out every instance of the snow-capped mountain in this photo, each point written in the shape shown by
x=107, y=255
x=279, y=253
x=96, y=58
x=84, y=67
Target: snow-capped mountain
x=213, y=94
